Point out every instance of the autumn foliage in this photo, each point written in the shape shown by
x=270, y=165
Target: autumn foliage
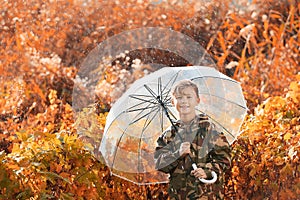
x=47, y=153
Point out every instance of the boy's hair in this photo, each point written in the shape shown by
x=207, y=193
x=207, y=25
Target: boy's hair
x=180, y=85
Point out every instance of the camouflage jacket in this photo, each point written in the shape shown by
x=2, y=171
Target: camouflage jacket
x=209, y=150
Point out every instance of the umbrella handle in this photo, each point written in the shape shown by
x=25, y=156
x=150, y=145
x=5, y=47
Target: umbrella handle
x=214, y=175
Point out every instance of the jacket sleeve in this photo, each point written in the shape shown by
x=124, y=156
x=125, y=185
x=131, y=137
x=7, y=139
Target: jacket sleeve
x=219, y=156
x=165, y=156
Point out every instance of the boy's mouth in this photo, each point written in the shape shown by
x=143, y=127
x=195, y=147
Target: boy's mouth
x=184, y=107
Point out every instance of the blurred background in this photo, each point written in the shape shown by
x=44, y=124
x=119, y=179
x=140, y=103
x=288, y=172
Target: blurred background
x=48, y=153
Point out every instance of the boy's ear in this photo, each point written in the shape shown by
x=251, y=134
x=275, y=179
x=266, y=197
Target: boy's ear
x=198, y=100
x=172, y=102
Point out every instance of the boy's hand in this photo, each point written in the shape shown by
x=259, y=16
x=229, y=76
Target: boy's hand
x=199, y=173
x=185, y=148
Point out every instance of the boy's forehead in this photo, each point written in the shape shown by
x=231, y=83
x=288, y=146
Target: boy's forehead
x=184, y=90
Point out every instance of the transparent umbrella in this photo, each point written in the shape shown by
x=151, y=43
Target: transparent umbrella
x=145, y=110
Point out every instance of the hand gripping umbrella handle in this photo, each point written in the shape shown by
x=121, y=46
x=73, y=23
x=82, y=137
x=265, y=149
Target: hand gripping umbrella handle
x=214, y=175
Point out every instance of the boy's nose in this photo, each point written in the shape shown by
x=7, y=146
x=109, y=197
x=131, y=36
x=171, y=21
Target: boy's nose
x=183, y=100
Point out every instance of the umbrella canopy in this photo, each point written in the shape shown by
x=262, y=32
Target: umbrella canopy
x=145, y=111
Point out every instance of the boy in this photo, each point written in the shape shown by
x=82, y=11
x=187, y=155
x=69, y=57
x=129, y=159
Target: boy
x=192, y=139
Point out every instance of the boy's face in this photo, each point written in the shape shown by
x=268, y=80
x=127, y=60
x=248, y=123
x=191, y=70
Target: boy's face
x=185, y=101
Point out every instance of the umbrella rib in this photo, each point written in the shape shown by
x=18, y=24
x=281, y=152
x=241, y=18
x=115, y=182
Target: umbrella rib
x=218, y=77
x=147, y=122
x=151, y=92
x=141, y=99
x=140, y=109
x=136, y=120
x=161, y=95
x=162, y=121
x=141, y=103
x=141, y=95
x=169, y=83
x=217, y=122
x=159, y=87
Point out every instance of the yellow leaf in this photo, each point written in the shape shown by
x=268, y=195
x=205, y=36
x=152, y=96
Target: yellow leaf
x=279, y=161
x=252, y=172
x=16, y=148
x=287, y=136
